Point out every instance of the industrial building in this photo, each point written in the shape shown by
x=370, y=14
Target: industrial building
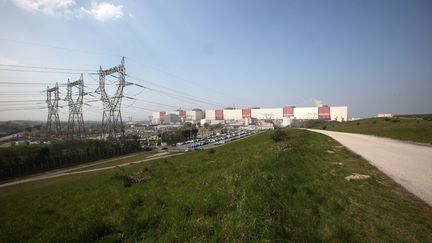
x=195, y=115
x=248, y=115
x=178, y=116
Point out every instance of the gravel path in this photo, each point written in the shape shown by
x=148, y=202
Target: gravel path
x=408, y=164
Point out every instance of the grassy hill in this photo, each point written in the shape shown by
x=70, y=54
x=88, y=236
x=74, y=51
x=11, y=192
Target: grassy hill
x=254, y=189
x=415, y=128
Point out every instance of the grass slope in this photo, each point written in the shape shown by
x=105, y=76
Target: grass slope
x=251, y=190
x=406, y=128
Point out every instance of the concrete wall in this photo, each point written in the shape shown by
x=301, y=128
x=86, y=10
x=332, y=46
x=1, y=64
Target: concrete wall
x=268, y=113
x=156, y=115
x=195, y=116
x=210, y=115
x=339, y=113
x=233, y=114
x=304, y=113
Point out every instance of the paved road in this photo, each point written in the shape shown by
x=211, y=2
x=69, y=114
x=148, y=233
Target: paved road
x=408, y=164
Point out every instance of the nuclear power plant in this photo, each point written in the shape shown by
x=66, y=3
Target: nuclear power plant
x=246, y=116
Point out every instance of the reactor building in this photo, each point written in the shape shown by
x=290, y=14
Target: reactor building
x=247, y=116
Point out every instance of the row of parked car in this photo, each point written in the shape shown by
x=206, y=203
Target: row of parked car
x=215, y=139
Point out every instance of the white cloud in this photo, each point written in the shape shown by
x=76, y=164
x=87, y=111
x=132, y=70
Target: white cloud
x=104, y=11
x=100, y=11
x=48, y=7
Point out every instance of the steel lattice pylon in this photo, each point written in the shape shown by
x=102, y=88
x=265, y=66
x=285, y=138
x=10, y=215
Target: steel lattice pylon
x=53, y=111
x=112, y=123
x=76, y=128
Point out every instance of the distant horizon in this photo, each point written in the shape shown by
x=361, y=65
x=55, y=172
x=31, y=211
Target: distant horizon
x=100, y=121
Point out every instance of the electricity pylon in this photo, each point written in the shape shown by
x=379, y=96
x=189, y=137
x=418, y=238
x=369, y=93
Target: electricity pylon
x=112, y=124
x=76, y=128
x=53, y=129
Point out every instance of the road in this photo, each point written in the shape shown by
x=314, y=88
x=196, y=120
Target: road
x=76, y=169
x=408, y=164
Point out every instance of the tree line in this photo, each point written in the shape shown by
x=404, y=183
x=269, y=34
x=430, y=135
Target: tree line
x=180, y=135
x=24, y=160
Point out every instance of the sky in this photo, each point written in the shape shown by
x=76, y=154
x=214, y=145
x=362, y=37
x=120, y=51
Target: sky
x=372, y=56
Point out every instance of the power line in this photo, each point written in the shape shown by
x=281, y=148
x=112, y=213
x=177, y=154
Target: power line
x=42, y=71
x=58, y=47
x=25, y=83
x=153, y=102
x=48, y=68
x=199, y=99
x=176, y=76
x=19, y=101
x=23, y=108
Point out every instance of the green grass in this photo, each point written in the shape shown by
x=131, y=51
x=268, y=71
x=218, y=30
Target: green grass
x=251, y=190
x=409, y=128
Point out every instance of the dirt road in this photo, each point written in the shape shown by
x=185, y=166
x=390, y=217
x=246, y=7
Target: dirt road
x=408, y=164
x=77, y=169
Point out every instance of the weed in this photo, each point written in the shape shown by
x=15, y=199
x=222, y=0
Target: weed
x=278, y=135
x=128, y=180
x=136, y=202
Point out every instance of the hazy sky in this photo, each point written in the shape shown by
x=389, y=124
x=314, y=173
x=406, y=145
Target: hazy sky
x=373, y=56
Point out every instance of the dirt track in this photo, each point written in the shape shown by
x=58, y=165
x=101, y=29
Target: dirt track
x=77, y=169
x=408, y=164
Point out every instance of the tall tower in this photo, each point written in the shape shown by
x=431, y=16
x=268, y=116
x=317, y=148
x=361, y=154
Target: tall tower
x=76, y=128
x=112, y=123
x=53, y=117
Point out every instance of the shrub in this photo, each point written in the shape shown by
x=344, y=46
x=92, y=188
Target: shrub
x=278, y=135
x=324, y=127
x=211, y=151
x=129, y=180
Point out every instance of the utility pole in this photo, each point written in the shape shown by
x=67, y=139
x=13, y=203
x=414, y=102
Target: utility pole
x=53, y=117
x=76, y=127
x=112, y=123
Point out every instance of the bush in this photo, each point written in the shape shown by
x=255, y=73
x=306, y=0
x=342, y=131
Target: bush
x=324, y=127
x=211, y=151
x=278, y=135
